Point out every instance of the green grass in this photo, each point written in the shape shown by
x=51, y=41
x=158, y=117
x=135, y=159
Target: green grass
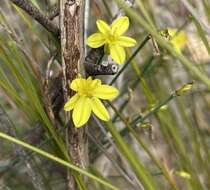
x=158, y=137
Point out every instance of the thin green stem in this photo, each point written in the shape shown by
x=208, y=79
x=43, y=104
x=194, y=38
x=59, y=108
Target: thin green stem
x=56, y=159
x=143, y=145
x=166, y=44
x=140, y=170
x=142, y=44
x=140, y=119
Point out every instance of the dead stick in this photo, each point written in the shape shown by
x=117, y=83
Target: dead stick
x=71, y=25
x=34, y=12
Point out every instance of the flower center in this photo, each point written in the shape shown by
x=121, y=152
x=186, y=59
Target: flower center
x=111, y=38
x=85, y=92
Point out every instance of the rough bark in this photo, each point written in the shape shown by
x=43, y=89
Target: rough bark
x=71, y=24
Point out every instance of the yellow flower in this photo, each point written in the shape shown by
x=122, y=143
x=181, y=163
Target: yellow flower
x=86, y=99
x=178, y=40
x=183, y=174
x=112, y=38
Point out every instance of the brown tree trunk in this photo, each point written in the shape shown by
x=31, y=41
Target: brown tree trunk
x=72, y=51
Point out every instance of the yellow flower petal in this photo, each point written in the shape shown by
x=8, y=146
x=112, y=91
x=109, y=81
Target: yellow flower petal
x=120, y=25
x=126, y=41
x=117, y=53
x=82, y=111
x=71, y=103
x=177, y=48
x=96, y=40
x=178, y=40
x=103, y=27
x=99, y=110
x=76, y=83
x=95, y=84
x=180, y=37
x=92, y=84
x=105, y=92
x=89, y=81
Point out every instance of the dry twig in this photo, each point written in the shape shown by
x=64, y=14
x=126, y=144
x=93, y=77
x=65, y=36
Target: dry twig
x=34, y=12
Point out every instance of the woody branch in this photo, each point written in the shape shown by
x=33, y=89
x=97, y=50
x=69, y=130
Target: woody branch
x=35, y=13
x=71, y=26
